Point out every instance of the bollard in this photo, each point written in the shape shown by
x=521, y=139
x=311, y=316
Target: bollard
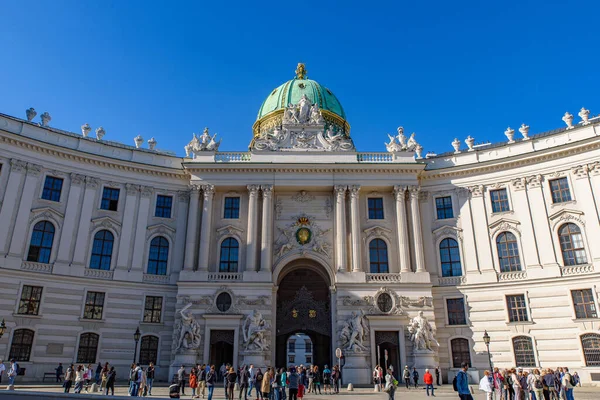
x=350, y=387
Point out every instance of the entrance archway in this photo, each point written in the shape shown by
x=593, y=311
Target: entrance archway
x=303, y=306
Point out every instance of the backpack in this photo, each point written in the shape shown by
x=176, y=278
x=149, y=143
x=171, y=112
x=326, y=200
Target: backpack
x=133, y=375
x=455, y=383
x=538, y=383
x=509, y=380
x=572, y=381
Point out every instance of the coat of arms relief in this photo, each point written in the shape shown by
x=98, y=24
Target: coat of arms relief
x=303, y=234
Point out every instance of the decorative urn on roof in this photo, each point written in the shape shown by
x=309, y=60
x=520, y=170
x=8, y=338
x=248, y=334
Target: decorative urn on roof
x=31, y=113
x=85, y=130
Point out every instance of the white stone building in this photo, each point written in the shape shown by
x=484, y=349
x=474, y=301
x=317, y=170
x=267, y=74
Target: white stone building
x=221, y=256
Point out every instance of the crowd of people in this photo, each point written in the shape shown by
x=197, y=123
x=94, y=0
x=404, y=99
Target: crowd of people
x=254, y=383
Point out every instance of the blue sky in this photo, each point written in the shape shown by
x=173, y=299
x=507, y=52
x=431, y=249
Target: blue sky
x=440, y=69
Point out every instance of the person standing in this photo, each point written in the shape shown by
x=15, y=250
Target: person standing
x=98, y=372
x=202, y=372
x=390, y=386
x=211, y=379
x=326, y=379
x=244, y=380
x=79, y=378
x=310, y=374
x=110, y=381
x=181, y=379
x=231, y=379
x=59, y=372
x=462, y=383
x=415, y=376
x=150, y=377
x=259, y=376
x=265, y=386
x=316, y=381
x=251, y=379
x=69, y=376
x=428, y=381
x=104, y=377
x=2, y=369
x=293, y=385
x=193, y=381
x=406, y=376
x=567, y=384
x=534, y=380
x=498, y=383
x=485, y=385
x=437, y=375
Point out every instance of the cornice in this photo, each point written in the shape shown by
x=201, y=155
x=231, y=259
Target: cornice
x=90, y=159
x=358, y=168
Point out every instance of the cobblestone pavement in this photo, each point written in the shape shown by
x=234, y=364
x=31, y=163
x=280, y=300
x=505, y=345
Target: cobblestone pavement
x=445, y=392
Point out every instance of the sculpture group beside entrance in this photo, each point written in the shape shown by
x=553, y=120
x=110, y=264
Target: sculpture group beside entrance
x=188, y=330
x=355, y=332
x=421, y=333
x=255, y=330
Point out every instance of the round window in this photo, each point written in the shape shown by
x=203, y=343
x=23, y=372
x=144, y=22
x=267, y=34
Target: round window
x=384, y=302
x=224, y=302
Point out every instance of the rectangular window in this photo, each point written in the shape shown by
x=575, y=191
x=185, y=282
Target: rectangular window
x=291, y=347
x=456, y=312
x=308, y=359
x=443, y=206
x=31, y=296
x=517, y=308
x=375, y=208
x=110, y=199
x=308, y=347
x=164, y=204
x=153, y=309
x=499, y=200
x=232, y=207
x=52, y=188
x=94, y=305
x=583, y=300
x=560, y=190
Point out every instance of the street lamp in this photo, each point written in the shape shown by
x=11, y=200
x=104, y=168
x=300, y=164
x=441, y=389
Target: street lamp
x=486, y=340
x=2, y=328
x=136, y=337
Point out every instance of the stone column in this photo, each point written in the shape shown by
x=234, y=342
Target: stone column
x=20, y=229
x=179, y=246
x=355, y=228
x=402, y=228
x=126, y=239
x=205, y=227
x=192, y=227
x=9, y=204
x=85, y=218
x=416, y=225
x=139, y=246
x=252, y=231
x=68, y=230
x=340, y=227
x=266, y=246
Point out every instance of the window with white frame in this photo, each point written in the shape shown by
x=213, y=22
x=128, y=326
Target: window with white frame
x=499, y=200
x=508, y=252
x=517, y=308
x=94, y=305
x=571, y=245
x=524, y=353
x=583, y=301
x=375, y=207
x=52, y=188
x=443, y=207
x=450, y=258
x=560, y=190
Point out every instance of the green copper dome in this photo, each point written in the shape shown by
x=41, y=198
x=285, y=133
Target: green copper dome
x=291, y=92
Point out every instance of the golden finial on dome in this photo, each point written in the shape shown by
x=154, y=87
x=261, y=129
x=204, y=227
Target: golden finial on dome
x=301, y=71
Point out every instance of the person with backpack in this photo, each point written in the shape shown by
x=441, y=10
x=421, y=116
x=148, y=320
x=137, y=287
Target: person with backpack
x=69, y=376
x=406, y=376
x=327, y=379
x=460, y=383
x=110, y=381
x=485, y=385
x=567, y=384
x=415, y=376
x=390, y=384
x=534, y=382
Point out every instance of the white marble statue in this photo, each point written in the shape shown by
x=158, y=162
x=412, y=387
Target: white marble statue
x=401, y=137
x=355, y=332
x=399, y=143
x=411, y=143
x=421, y=333
x=204, y=142
x=304, y=106
x=46, y=118
x=315, y=115
x=85, y=130
x=255, y=330
x=189, y=334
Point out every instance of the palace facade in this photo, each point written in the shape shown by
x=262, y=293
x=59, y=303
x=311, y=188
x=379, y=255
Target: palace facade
x=223, y=256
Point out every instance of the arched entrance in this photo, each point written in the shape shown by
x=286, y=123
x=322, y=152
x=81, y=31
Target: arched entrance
x=303, y=306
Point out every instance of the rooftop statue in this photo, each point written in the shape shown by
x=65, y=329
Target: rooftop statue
x=301, y=71
x=203, y=142
x=399, y=143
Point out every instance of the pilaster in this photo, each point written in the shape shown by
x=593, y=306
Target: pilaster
x=137, y=264
x=402, y=228
x=192, y=228
x=19, y=241
x=266, y=246
x=9, y=203
x=252, y=227
x=126, y=239
x=417, y=231
x=208, y=192
x=68, y=230
x=355, y=228
x=340, y=228
x=539, y=214
x=83, y=231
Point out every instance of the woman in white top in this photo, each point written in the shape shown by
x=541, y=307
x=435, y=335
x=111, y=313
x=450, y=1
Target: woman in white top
x=486, y=386
x=79, y=379
x=390, y=387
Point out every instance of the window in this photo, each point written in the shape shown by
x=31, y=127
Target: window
x=94, y=305
x=308, y=359
x=52, y=188
x=20, y=348
x=508, y=252
x=40, y=247
x=524, y=355
x=375, y=207
x=148, y=350
x=223, y=302
x=229, y=255
x=31, y=296
x=591, y=349
x=153, y=309
x=291, y=359
x=307, y=347
x=443, y=206
x=571, y=245
x=102, y=250
x=456, y=311
x=164, y=204
x=110, y=199
x=583, y=300
x=560, y=190
x=88, y=348
x=499, y=200
x=461, y=352
x=159, y=256
x=378, y=257
x=517, y=308
x=291, y=347
x=450, y=258
x=232, y=208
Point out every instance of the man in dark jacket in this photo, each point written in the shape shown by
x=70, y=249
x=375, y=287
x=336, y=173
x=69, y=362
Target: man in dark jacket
x=243, y=382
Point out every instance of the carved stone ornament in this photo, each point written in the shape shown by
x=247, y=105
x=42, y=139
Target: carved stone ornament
x=201, y=143
x=421, y=333
x=568, y=119
x=581, y=171
x=420, y=302
x=146, y=191
x=230, y=230
x=259, y=301
x=448, y=230
x=31, y=113
x=132, y=190
x=85, y=130
x=584, y=115
x=77, y=179
x=352, y=302
x=386, y=301
x=377, y=231
x=303, y=235
x=160, y=229
x=33, y=169
x=456, y=145
x=46, y=118
x=187, y=330
x=354, y=334
x=524, y=129
x=303, y=197
x=328, y=208
x=504, y=225
x=152, y=143
x=510, y=134
x=100, y=132
x=138, y=140
x=183, y=196
x=46, y=213
x=278, y=208
x=518, y=183
x=256, y=331
x=399, y=193
x=17, y=165
x=477, y=190
x=534, y=181
x=470, y=142
x=267, y=190
x=399, y=143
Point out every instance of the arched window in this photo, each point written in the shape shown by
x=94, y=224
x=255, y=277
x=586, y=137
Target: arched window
x=20, y=348
x=378, y=256
x=450, y=258
x=88, y=348
x=523, y=348
x=461, y=352
x=591, y=349
x=571, y=244
x=148, y=350
x=159, y=255
x=508, y=252
x=230, y=249
x=40, y=246
x=102, y=250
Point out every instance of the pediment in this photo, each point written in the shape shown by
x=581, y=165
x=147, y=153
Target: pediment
x=567, y=215
x=504, y=224
x=377, y=231
x=563, y=212
x=505, y=221
x=447, y=230
x=161, y=227
x=46, y=213
x=230, y=230
x=106, y=222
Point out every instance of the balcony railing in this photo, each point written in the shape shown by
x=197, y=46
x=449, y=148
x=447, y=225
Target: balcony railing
x=233, y=157
x=158, y=279
x=512, y=276
x=452, y=280
x=577, y=269
x=36, y=267
x=98, y=273
x=383, y=277
x=375, y=157
x=225, y=276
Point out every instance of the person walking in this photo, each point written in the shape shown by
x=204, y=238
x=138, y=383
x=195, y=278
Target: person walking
x=327, y=379
x=181, y=379
x=498, y=383
x=69, y=376
x=79, y=379
x=428, y=381
x=251, y=379
x=59, y=372
x=462, y=383
x=485, y=385
x=390, y=384
x=110, y=381
x=294, y=382
x=98, y=372
x=211, y=379
x=437, y=375
x=202, y=381
x=231, y=379
x=150, y=377
x=258, y=384
x=103, y=377
x=244, y=380
x=415, y=377
x=193, y=381
x=265, y=385
x=317, y=381
x=310, y=374
x=335, y=379
x=406, y=376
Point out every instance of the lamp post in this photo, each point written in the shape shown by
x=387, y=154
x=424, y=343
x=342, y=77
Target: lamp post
x=136, y=337
x=2, y=328
x=486, y=340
